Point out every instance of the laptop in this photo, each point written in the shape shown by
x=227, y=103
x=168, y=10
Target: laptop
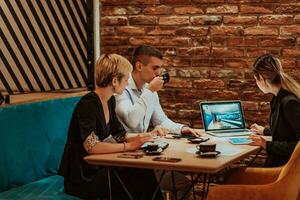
x=223, y=118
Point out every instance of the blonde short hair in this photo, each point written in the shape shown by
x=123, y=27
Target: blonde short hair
x=109, y=66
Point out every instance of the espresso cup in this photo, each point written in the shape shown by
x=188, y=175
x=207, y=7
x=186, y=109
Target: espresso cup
x=206, y=147
x=166, y=77
x=152, y=147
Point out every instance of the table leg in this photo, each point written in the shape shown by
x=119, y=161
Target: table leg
x=109, y=184
x=123, y=185
x=158, y=184
x=174, y=185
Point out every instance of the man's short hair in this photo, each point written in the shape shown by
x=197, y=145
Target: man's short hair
x=142, y=54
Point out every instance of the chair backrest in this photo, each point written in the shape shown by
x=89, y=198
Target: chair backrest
x=32, y=139
x=290, y=173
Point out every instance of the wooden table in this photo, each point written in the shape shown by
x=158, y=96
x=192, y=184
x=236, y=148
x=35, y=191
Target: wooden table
x=181, y=148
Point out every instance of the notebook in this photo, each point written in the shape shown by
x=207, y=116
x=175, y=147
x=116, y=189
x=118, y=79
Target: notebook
x=223, y=118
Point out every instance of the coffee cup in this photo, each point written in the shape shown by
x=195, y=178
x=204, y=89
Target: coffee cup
x=166, y=77
x=207, y=147
x=152, y=147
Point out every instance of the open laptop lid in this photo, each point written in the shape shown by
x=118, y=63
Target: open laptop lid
x=222, y=115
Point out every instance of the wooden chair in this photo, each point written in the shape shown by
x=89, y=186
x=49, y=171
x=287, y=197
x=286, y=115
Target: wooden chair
x=280, y=183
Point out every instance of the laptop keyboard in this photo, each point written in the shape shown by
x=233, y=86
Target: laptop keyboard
x=233, y=131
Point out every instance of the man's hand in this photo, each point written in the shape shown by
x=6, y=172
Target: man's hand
x=257, y=129
x=188, y=130
x=160, y=131
x=257, y=141
x=156, y=84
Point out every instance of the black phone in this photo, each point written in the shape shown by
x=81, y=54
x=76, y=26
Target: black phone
x=166, y=159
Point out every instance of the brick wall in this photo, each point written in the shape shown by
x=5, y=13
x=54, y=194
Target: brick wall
x=209, y=47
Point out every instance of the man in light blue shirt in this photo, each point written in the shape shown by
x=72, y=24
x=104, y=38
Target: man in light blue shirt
x=139, y=104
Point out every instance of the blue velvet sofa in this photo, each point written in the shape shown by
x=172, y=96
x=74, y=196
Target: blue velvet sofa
x=32, y=139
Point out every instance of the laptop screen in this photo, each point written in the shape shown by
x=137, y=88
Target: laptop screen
x=222, y=115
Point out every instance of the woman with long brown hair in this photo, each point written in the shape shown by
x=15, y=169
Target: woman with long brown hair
x=285, y=111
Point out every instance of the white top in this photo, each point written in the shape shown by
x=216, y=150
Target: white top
x=136, y=109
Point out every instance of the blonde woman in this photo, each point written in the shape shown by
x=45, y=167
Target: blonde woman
x=94, y=119
x=285, y=111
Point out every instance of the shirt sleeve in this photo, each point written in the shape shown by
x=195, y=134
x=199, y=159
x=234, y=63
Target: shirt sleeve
x=132, y=114
x=118, y=132
x=160, y=118
x=291, y=112
x=86, y=116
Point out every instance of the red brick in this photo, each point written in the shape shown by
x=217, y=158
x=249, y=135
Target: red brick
x=237, y=63
x=226, y=52
x=191, y=31
x=298, y=41
x=183, y=10
x=170, y=103
x=225, y=9
x=200, y=41
x=243, y=1
x=255, y=9
x=226, y=73
x=144, y=40
x=288, y=63
x=261, y=31
x=222, y=95
x=297, y=19
x=291, y=52
x=114, y=40
x=130, y=30
x=116, y=20
x=235, y=41
x=128, y=2
x=197, y=124
x=177, y=62
x=191, y=94
x=107, y=30
x=226, y=30
x=125, y=51
x=168, y=51
x=254, y=96
x=179, y=83
x=175, y=41
x=193, y=72
x=190, y=114
x=240, y=20
x=194, y=51
x=143, y=20
x=158, y=10
x=218, y=41
x=256, y=117
x=174, y=20
x=178, y=2
x=241, y=84
x=295, y=74
x=283, y=9
x=161, y=30
x=264, y=106
x=206, y=20
x=208, y=1
x=276, y=19
x=167, y=93
x=258, y=52
x=204, y=62
x=170, y=112
x=251, y=41
x=208, y=84
x=290, y=30
x=271, y=42
x=250, y=106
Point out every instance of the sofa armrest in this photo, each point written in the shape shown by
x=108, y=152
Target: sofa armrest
x=252, y=175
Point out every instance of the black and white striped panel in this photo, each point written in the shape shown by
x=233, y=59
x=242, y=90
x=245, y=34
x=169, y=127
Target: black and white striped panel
x=44, y=45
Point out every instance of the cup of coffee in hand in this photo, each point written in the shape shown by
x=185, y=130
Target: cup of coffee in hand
x=166, y=77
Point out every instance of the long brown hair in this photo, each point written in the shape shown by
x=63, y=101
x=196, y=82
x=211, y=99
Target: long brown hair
x=270, y=69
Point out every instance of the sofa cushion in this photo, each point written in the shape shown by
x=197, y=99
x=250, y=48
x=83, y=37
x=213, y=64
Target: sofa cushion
x=44, y=189
x=32, y=139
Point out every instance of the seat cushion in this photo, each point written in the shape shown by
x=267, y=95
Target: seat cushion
x=48, y=188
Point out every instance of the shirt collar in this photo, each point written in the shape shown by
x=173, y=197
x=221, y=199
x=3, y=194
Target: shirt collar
x=132, y=85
